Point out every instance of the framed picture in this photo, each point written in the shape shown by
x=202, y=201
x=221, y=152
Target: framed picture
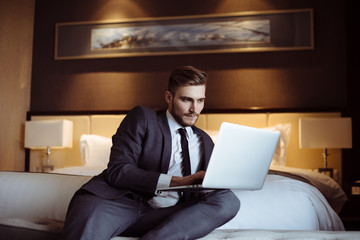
x=225, y=33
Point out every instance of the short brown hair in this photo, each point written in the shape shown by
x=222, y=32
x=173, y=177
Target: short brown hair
x=186, y=76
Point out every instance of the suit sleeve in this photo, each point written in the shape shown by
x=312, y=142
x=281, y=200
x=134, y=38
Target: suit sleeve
x=123, y=169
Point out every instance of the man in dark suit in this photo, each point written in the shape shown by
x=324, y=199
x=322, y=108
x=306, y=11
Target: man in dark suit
x=147, y=154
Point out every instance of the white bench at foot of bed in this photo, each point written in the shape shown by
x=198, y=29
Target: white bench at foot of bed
x=274, y=235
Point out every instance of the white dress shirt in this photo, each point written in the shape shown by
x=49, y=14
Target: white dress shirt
x=166, y=199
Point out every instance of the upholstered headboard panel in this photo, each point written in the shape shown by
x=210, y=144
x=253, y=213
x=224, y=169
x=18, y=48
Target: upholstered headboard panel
x=106, y=125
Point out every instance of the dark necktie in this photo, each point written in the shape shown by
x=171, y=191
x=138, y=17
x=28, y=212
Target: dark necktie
x=186, y=170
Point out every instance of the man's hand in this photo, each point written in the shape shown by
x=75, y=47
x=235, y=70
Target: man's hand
x=195, y=178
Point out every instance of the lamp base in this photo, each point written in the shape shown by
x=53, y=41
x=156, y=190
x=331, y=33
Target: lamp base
x=327, y=171
x=47, y=168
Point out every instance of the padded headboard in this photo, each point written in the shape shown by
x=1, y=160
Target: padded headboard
x=106, y=125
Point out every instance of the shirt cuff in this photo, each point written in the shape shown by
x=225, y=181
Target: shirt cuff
x=163, y=182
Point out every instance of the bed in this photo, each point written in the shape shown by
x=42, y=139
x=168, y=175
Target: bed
x=294, y=196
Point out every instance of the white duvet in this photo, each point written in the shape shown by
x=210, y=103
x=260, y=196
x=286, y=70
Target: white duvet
x=284, y=204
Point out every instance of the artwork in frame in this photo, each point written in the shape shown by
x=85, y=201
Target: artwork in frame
x=225, y=33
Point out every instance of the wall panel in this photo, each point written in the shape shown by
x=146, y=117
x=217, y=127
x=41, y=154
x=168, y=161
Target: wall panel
x=289, y=79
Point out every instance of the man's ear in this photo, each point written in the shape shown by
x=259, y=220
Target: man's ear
x=168, y=97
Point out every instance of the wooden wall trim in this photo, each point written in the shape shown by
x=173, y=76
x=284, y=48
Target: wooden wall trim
x=223, y=110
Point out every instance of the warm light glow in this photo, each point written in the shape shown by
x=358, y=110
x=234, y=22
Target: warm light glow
x=115, y=9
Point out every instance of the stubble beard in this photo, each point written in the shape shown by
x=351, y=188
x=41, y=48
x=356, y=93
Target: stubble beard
x=180, y=119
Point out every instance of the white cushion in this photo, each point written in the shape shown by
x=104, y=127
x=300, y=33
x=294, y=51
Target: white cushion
x=279, y=158
x=37, y=195
x=95, y=150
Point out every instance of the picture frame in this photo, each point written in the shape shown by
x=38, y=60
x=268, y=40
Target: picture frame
x=281, y=30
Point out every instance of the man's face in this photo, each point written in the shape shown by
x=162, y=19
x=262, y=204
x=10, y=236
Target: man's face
x=187, y=103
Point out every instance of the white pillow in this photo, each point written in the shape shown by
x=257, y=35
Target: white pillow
x=279, y=158
x=95, y=150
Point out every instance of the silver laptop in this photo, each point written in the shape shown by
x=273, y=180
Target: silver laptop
x=240, y=159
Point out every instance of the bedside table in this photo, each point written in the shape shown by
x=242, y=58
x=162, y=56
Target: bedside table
x=350, y=213
x=47, y=168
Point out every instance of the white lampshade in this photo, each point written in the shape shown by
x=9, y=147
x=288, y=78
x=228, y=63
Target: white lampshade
x=325, y=133
x=48, y=133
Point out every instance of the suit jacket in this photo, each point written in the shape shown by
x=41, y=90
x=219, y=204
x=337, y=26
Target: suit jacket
x=141, y=151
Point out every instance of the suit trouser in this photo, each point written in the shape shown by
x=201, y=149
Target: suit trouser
x=92, y=217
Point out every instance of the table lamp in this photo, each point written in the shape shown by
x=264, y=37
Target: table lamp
x=324, y=133
x=46, y=134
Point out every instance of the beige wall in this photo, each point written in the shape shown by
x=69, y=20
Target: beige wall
x=16, y=31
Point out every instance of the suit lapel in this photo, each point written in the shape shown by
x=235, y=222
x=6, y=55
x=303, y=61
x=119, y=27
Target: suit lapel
x=207, y=150
x=164, y=126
